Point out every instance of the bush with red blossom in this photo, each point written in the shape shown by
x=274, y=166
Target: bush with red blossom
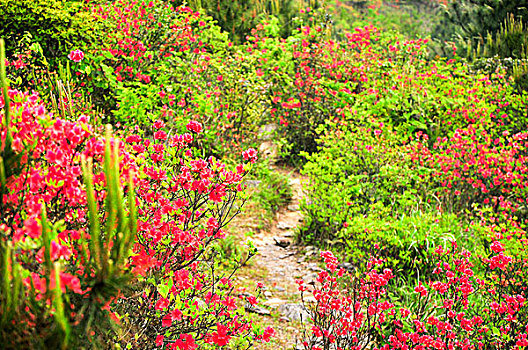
x=60, y=272
x=184, y=204
x=76, y=241
x=456, y=309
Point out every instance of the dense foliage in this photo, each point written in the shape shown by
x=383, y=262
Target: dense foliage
x=416, y=167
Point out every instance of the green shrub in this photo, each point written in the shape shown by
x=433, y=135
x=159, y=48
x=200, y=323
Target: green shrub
x=357, y=169
x=58, y=26
x=274, y=190
x=238, y=18
x=230, y=252
x=404, y=241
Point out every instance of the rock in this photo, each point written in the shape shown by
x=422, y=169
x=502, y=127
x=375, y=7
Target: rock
x=257, y=309
x=310, y=250
x=281, y=225
x=310, y=278
x=284, y=319
x=295, y=312
x=295, y=181
x=301, y=259
x=314, y=267
x=310, y=299
x=252, y=183
x=267, y=294
x=293, y=207
x=269, y=150
x=281, y=242
x=347, y=266
x=274, y=302
x=287, y=234
x=286, y=255
x=266, y=131
x=280, y=289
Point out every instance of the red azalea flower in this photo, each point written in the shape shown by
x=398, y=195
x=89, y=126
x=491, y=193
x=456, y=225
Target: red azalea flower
x=250, y=154
x=76, y=56
x=221, y=338
x=159, y=340
x=194, y=126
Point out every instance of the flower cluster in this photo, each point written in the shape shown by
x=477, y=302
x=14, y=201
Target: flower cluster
x=44, y=215
x=76, y=56
x=447, y=312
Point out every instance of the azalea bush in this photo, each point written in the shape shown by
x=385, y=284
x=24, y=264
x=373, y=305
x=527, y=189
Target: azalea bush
x=62, y=263
x=309, y=76
x=184, y=203
x=171, y=253
x=417, y=141
x=198, y=75
x=52, y=218
x=360, y=312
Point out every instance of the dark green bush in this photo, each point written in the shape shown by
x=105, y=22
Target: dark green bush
x=239, y=17
x=404, y=241
x=58, y=26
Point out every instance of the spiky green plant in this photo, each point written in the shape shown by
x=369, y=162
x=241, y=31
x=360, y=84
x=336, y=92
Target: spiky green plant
x=44, y=321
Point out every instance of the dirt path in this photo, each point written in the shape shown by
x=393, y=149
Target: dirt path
x=284, y=263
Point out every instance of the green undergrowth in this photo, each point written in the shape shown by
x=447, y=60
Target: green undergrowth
x=267, y=190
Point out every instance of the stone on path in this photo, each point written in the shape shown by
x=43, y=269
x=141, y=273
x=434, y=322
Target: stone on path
x=287, y=255
x=281, y=225
x=295, y=182
x=269, y=150
x=314, y=267
x=347, y=266
x=309, y=299
x=257, y=309
x=293, y=207
x=310, y=278
x=295, y=312
x=281, y=242
x=287, y=234
x=274, y=302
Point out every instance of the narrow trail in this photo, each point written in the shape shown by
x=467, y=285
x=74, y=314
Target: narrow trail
x=285, y=263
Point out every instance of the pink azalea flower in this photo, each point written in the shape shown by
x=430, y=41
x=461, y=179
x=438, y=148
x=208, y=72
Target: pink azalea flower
x=76, y=56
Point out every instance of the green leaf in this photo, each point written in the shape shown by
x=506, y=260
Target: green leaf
x=108, y=55
x=495, y=331
x=163, y=289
